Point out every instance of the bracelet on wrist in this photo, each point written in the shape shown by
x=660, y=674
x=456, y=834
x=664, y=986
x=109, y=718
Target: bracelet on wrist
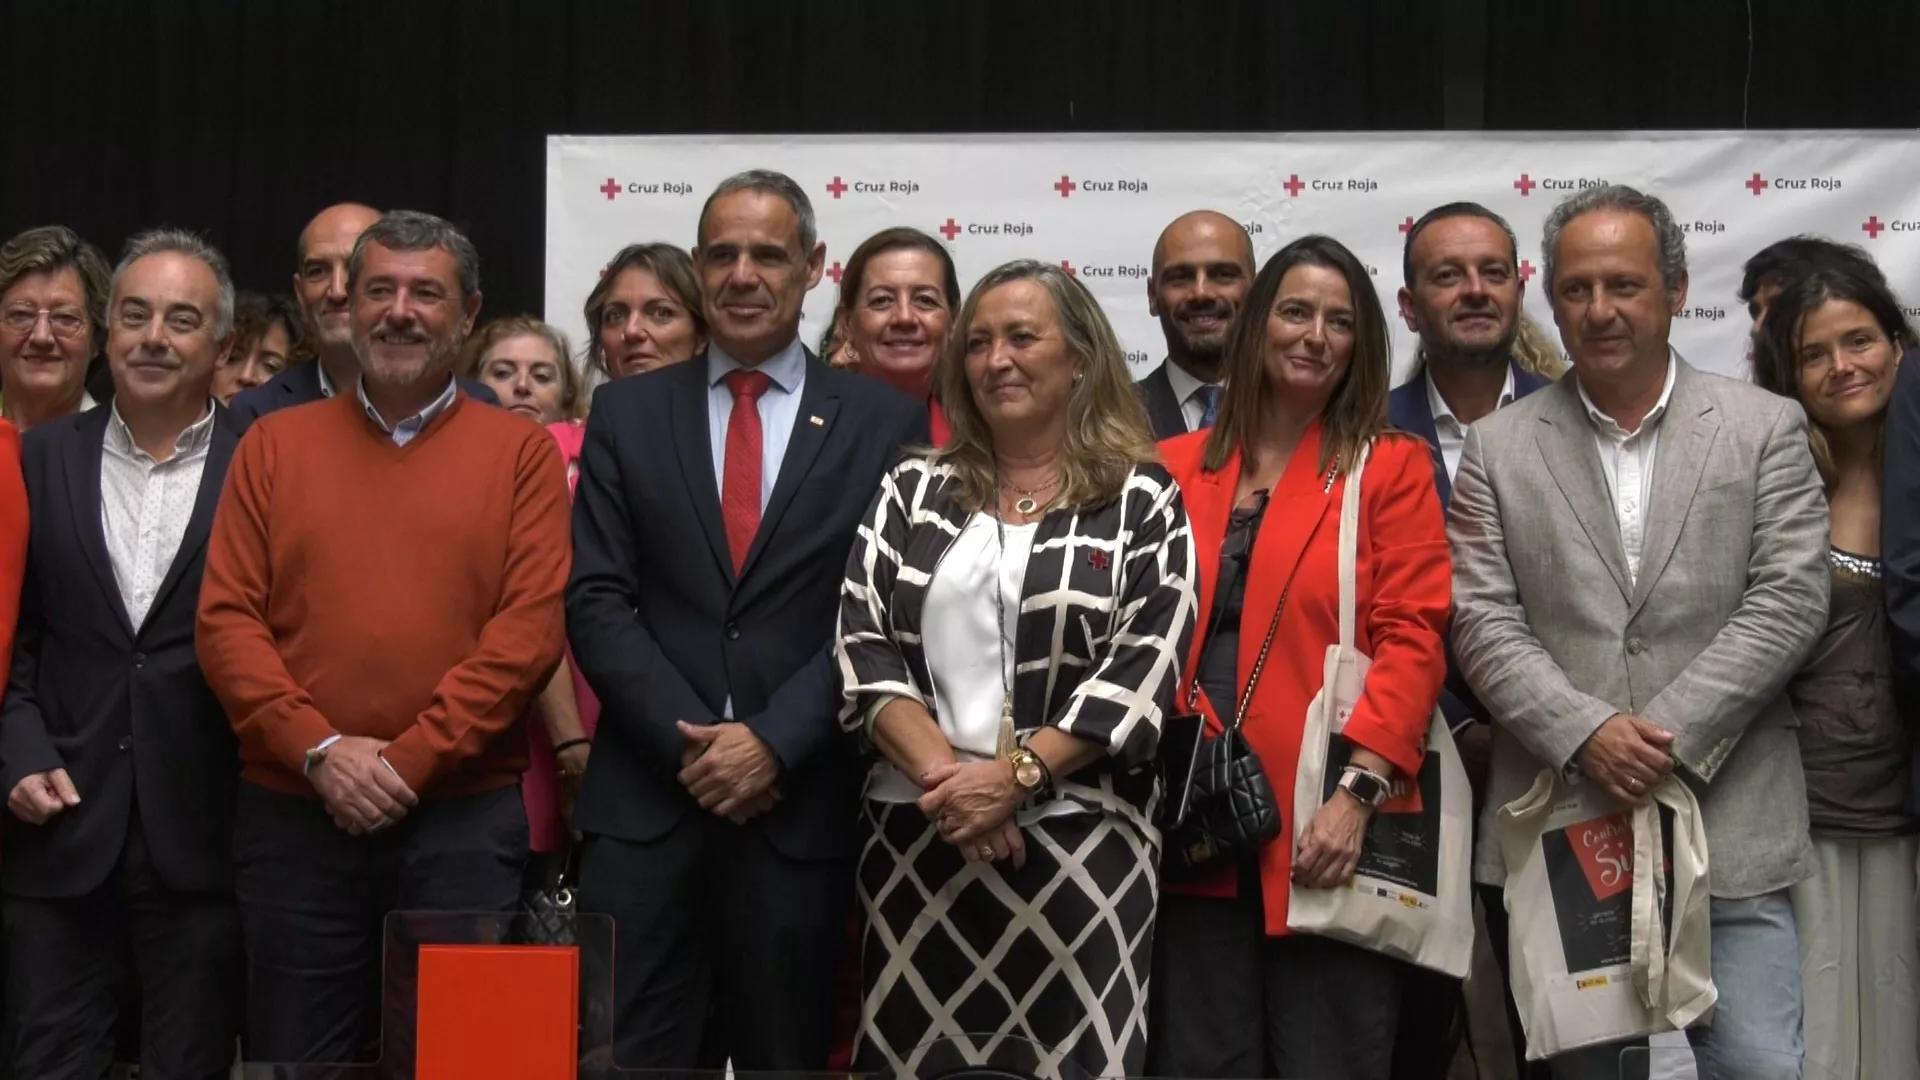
x=571, y=743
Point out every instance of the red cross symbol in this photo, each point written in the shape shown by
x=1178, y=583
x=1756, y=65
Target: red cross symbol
x=1068, y=267
x=949, y=230
x=1293, y=186
x=1755, y=185
x=1872, y=227
x=610, y=188
x=1524, y=185
x=1065, y=187
x=1407, y=225
x=835, y=272
x=836, y=187
x=1526, y=271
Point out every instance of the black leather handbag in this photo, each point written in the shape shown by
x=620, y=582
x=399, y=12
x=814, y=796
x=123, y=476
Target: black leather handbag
x=1226, y=810
x=547, y=909
x=1219, y=807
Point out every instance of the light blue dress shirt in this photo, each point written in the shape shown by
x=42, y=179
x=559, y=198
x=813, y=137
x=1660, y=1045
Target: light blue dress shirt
x=779, y=410
x=404, y=431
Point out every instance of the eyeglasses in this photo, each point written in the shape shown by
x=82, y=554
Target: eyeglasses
x=63, y=323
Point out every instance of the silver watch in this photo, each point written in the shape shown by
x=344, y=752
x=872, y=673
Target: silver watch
x=1364, y=784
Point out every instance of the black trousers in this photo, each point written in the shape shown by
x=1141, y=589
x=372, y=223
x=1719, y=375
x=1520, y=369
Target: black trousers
x=724, y=948
x=68, y=958
x=314, y=902
x=1228, y=1001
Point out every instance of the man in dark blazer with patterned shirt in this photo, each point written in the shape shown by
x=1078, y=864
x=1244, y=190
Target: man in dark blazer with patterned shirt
x=1463, y=296
x=719, y=808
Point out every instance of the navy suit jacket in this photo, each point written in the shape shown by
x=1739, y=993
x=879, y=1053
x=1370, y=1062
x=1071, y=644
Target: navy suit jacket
x=1409, y=410
x=300, y=384
x=1163, y=409
x=122, y=708
x=664, y=630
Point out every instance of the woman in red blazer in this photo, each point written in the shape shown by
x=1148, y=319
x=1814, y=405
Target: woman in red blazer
x=1307, y=371
x=13, y=542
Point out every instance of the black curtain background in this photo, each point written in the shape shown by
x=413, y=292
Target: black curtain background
x=241, y=118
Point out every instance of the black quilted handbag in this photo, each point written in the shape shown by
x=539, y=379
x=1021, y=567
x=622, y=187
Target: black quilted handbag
x=1230, y=810
x=547, y=909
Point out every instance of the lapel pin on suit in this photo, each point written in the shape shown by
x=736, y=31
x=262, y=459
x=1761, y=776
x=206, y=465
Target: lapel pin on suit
x=816, y=421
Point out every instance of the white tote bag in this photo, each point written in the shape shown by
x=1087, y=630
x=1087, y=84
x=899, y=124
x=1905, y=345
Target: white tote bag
x=1409, y=896
x=1604, y=946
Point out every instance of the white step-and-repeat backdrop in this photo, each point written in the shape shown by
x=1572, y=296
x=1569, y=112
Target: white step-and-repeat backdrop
x=1096, y=204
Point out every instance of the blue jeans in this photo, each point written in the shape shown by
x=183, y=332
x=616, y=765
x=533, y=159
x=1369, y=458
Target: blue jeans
x=1756, y=1024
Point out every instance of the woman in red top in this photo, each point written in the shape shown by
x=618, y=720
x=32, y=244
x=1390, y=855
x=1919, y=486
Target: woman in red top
x=1307, y=372
x=897, y=299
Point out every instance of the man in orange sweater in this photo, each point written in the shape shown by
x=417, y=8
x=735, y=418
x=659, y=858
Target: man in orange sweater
x=382, y=602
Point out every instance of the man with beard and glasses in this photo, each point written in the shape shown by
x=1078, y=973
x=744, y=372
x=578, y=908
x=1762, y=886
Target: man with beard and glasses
x=717, y=505
x=320, y=286
x=119, y=764
x=1463, y=297
x=383, y=601
x=1202, y=266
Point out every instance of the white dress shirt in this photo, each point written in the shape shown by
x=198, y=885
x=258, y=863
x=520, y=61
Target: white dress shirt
x=779, y=408
x=1448, y=428
x=1626, y=458
x=145, y=505
x=1186, y=390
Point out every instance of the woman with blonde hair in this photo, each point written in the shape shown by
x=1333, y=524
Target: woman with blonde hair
x=528, y=365
x=1011, y=628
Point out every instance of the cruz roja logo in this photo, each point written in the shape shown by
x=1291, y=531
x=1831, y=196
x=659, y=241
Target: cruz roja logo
x=840, y=187
x=1067, y=185
x=1703, y=228
x=1703, y=314
x=614, y=187
x=1140, y=273
x=1294, y=184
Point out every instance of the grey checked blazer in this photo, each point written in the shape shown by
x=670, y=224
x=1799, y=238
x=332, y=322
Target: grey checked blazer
x=1555, y=637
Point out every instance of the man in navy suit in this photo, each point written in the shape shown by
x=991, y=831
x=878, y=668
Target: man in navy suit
x=716, y=507
x=1463, y=297
x=320, y=284
x=120, y=766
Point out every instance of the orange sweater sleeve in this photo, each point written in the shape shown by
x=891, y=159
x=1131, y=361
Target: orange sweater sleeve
x=1412, y=595
x=270, y=712
x=522, y=643
x=13, y=539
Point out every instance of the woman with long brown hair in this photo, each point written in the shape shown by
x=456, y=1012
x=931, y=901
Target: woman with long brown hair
x=1307, y=372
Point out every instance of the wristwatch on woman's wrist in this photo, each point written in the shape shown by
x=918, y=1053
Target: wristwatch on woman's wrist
x=1365, y=785
x=1029, y=772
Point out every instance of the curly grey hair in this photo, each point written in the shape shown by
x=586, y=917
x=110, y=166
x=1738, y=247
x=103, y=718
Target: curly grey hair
x=411, y=230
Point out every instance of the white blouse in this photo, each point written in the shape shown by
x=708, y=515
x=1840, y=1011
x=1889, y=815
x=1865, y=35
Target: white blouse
x=969, y=650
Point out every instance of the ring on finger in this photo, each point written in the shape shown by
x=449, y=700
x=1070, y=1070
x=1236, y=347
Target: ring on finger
x=986, y=852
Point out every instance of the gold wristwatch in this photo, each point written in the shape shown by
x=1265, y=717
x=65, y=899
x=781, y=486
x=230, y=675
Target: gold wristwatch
x=1028, y=770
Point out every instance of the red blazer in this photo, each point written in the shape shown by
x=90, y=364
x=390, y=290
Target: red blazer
x=1404, y=592
x=13, y=539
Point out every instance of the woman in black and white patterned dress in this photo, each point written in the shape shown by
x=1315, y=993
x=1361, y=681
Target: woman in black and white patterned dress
x=1011, y=631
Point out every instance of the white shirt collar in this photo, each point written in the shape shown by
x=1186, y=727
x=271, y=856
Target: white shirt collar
x=786, y=368
x=326, y=381
x=197, y=435
x=1183, y=382
x=1606, y=423
x=1438, y=407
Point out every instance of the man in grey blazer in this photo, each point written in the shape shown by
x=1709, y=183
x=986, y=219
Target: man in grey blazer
x=1639, y=567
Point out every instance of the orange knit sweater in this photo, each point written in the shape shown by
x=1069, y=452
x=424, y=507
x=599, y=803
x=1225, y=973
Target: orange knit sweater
x=412, y=593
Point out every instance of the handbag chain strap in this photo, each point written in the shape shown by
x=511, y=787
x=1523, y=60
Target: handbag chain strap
x=1259, y=662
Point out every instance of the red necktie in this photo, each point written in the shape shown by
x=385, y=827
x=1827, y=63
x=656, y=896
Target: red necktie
x=740, y=487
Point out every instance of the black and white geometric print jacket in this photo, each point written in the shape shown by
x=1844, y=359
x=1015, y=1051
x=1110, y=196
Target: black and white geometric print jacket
x=1107, y=612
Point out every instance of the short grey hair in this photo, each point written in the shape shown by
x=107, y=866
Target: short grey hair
x=181, y=242
x=767, y=182
x=1672, y=242
x=411, y=230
